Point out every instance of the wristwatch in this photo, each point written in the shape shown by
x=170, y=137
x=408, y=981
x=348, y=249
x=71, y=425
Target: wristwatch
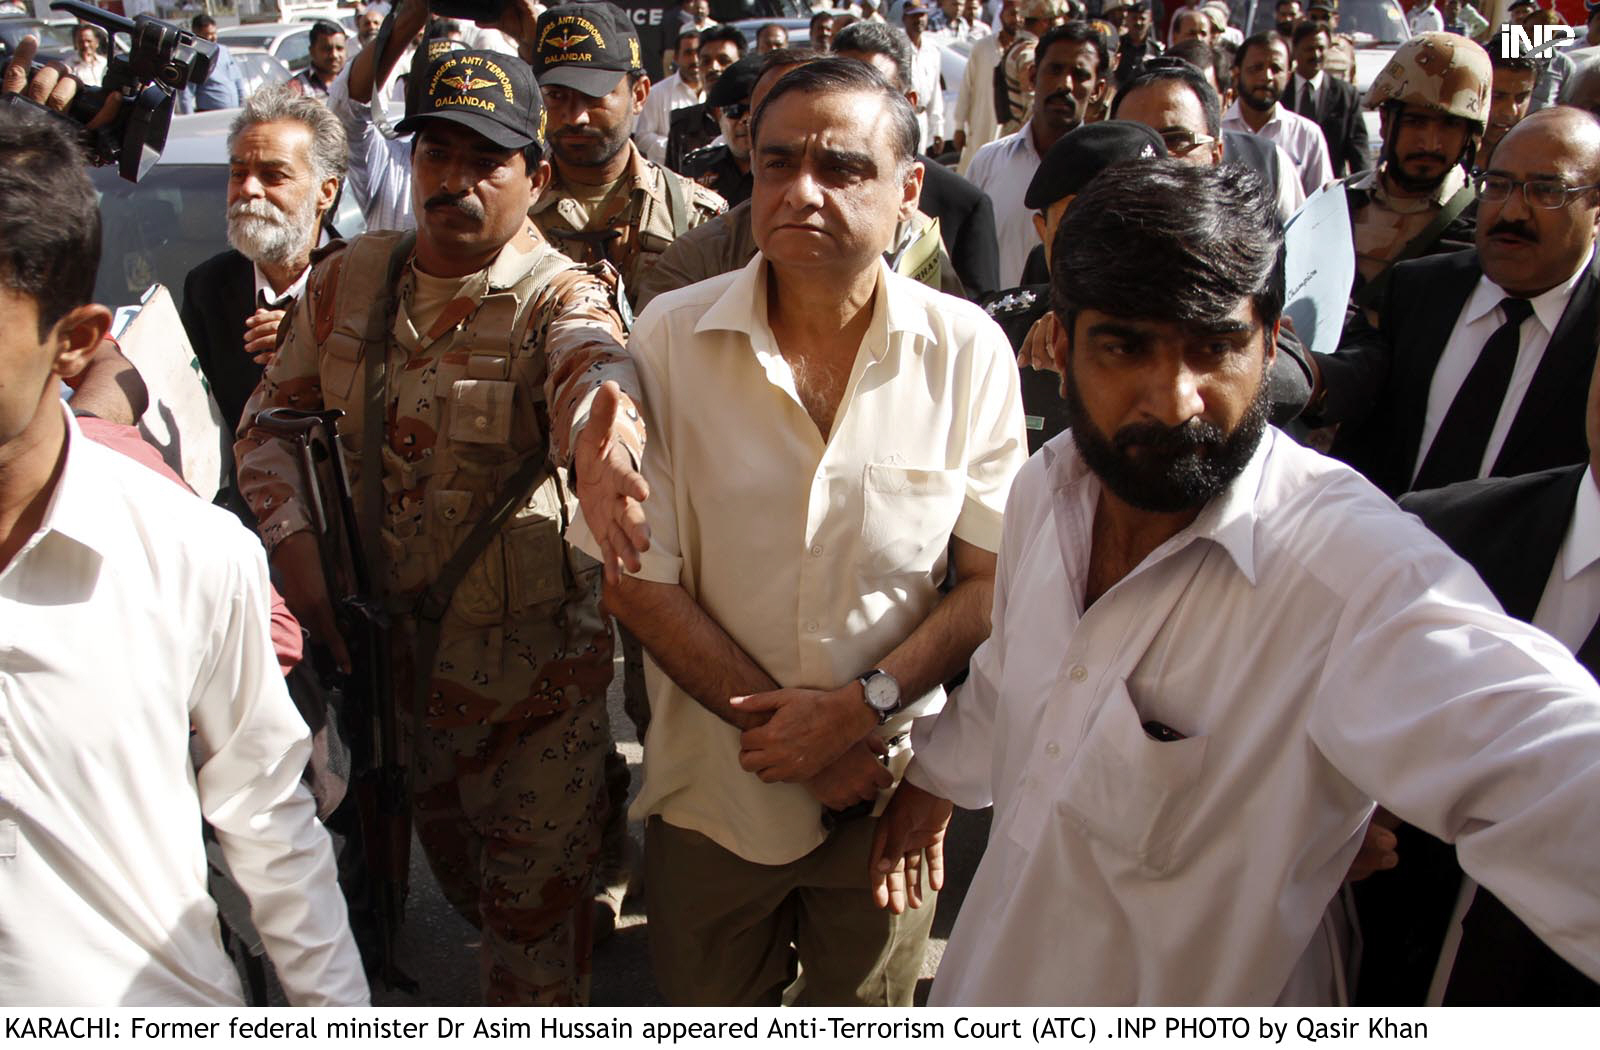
x=882, y=693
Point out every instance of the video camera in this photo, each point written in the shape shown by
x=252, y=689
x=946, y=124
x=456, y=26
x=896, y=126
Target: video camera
x=158, y=61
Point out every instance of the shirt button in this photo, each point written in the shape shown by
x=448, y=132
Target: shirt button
x=482, y=422
x=811, y=627
x=816, y=550
x=1079, y=672
x=1052, y=749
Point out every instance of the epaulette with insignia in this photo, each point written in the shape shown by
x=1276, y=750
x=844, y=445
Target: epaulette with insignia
x=702, y=160
x=1012, y=302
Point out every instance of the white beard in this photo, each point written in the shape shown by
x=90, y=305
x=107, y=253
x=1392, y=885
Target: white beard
x=264, y=233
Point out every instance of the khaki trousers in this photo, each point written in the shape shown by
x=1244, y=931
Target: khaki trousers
x=728, y=932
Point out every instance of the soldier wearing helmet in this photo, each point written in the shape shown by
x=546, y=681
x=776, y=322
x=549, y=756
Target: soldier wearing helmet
x=1433, y=100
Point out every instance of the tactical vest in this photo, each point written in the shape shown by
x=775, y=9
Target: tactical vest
x=487, y=544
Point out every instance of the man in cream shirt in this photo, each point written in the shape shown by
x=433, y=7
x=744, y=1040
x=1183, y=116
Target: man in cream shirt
x=827, y=440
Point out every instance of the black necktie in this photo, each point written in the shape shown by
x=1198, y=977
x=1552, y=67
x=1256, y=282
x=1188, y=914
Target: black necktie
x=1458, y=448
x=1307, y=98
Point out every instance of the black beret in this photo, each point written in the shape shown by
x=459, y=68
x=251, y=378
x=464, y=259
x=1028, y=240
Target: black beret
x=736, y=82
x=1085, y=152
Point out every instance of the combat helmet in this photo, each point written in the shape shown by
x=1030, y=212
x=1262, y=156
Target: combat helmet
x=1442, y=72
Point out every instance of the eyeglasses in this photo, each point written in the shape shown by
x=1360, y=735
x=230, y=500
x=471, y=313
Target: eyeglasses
x=1183, y=143
x=1539, y=193
x=735, y=110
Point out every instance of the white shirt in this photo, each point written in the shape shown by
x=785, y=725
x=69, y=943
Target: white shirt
x=1299, y=83
x=274, y=300
x=975, y=102
x=1570, y=605
x=930, y=99
x=1003, y=169
x=1425, y=18
x=1474, y=325
x=817, y=558
x=1319, y=649
x=380, y=167
x=135, y=611
x=90, y=73
x=655, y=120
x=1300, y=138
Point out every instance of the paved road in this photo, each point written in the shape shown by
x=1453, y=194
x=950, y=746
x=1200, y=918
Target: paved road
x=440, y=950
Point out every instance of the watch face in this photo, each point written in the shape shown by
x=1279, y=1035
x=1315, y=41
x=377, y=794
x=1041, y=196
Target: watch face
x=882, y=692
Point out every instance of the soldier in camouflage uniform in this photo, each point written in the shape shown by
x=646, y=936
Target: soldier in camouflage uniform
x=1434, y=99
x=1014, y=76
x=606, y=201
x=485, y=349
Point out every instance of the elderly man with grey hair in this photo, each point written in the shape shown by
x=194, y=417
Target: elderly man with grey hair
x=286, y=159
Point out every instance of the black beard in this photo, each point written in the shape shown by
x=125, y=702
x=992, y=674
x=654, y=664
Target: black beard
x=1178, y=468
x=1259, y=107
x=1392, y=169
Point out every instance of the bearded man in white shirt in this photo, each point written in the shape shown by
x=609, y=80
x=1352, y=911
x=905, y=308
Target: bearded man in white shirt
x=865, y=433
x=102, y=869
x=1213, y=649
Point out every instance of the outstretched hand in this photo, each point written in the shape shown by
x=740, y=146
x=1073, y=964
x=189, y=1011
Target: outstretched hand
x=610, y=491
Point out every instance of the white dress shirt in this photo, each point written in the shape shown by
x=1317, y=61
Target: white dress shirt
x=930, y=99
x=666, y=97
x=1478, y=321
x=1318, y=649
x=817, y=557
x=1298, y=87
x=1300, y=137
x=1570, y=605
x=380, y=167
x=1003, y=169
x=135, y=612
x=90, y=73
x=1425, y=17
x=975, y=101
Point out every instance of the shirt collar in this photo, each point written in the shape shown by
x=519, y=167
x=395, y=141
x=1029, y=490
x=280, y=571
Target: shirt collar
x=1315, y=82
x=1229, y=520
x=1547, y=307
x=1582, y=546
x=76, y=511
x=637, y=175
x=742, y=307
x=264, y=287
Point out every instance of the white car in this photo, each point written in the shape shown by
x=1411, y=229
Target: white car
x=288, y=42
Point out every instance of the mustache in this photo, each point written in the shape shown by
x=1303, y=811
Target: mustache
x=258, y=209
x=1184, y=438
x=1438, y=158
x=460, y=201
x=1520, y=230
x=1060, y=96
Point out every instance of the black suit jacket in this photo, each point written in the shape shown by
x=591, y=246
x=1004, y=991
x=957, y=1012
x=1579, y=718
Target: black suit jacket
x=1377, y=382
x=1337, y=110
x=218, y=296
x=1510, y=530
x=966, y=225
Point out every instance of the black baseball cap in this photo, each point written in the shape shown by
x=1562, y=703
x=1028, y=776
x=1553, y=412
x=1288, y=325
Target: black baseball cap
x=585, y=47
x=736, y=82
x=492, y=93
x=1085, y=152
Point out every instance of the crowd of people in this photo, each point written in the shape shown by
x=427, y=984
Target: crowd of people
x=901, y=459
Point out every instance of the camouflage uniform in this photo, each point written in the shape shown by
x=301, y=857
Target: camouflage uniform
x=1340, y=58
x=1012, y=66
x=1383, y=223
x=641, y=217
x=506, y=780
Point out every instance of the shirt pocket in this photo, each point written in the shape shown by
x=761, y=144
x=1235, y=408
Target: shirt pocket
x=907, y=516
x=480, y=411
x=1129, y=790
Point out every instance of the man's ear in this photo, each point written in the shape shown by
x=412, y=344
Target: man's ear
x=540, y=178
x=911, y=97
x=326, y=194
x=641, y=91
x=911, y=191
x=1039, y=227
x=75, y=338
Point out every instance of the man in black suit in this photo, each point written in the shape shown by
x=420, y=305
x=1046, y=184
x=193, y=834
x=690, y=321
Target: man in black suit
x=1535, y=540
x=287, y=155
x=1332, y=102
x=965, y=213
x=1478, y=361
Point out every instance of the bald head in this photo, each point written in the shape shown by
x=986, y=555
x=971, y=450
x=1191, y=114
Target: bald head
x=1582, y=89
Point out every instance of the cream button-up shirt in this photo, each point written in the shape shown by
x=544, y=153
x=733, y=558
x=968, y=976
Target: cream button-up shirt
x=818, y=557
x=1317, y=649
x=134, y=613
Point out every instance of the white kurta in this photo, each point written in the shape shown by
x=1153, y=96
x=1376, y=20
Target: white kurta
x=1318, y=649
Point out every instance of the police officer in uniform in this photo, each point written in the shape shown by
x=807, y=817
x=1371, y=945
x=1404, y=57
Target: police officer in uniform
x=725, y=167
x=1433, y=98
x=605, y=201
x=472, y=361
x=1069, y=166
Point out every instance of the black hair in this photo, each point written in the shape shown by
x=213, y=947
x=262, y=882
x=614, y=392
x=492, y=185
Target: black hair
x=1205, y=56
x=1525, y=63
x=819, y=16
x=1169, y=241
x=724, y=33
x=878, y=38
x=1305, y=29
x=688, y=29
x=1263, y=39
x=322, y=29
x=1078, y=33
x=1185, y=73
x=199, y=22
x=841, y=75
x=787, y=56
x=49, y=220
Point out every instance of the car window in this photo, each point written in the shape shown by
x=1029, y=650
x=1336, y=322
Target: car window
x=256, y=40
x=294, y=51
x=159, y=228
